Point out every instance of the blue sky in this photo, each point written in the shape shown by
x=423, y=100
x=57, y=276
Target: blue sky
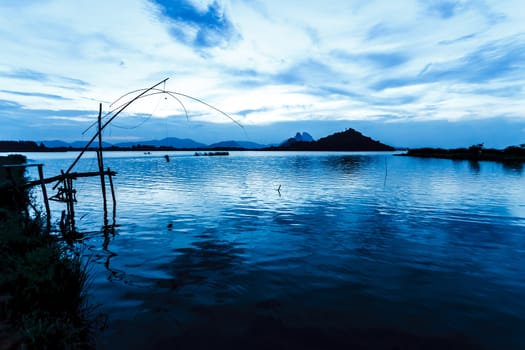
x=410, y=73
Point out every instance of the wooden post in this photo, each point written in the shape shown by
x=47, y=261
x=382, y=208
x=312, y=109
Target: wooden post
x=103, y=186
x=68, y=192
x=112, y=195
x=101, y=165
x=68, y=205
x=44, y=193
x=71, y=203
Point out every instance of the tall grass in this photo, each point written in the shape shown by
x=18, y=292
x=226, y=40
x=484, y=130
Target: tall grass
x=43, y=283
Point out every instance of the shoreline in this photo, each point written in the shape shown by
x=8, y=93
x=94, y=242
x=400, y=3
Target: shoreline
x=512, y=154
x=43, y=281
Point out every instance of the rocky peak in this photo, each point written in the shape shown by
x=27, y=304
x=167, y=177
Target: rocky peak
x=304, y=137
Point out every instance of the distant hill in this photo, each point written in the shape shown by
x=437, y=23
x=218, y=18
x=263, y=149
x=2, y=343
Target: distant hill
x=56, y=143
x=171, y=142
x=348, y=140
x=82, y=144
x=351, y=140
x=166, y=142
x=237, y=144
x=75, y=144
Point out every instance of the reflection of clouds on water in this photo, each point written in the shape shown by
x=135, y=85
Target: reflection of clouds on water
x=437, y=238
x=194, y=263
x=206, y=270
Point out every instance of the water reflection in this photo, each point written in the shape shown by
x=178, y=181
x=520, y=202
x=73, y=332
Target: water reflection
x=205, y=270
x=301, y=163
x=208, y=245
x=513, y=167
x=346, y=164
x=474, y=166
x=114, y=274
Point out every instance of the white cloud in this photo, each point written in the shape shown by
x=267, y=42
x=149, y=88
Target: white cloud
x=290, y=61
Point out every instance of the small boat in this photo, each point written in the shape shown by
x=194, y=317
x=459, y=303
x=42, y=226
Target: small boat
x=212, y=153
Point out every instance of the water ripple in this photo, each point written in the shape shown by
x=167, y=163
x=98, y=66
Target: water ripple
x=429, y=245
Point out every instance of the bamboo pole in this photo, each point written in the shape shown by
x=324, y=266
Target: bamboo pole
x=66, y=181
x=106, y=124
x=103, y=186
x=62, y=177
x=44, y=194
x=101, y=165
x=71, y=203
x=112, y=194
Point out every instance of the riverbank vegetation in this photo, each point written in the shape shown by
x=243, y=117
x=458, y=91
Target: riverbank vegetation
x=43, y=282
x=475, y=152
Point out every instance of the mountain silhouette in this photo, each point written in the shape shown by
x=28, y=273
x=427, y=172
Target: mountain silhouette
x=348, y=140
x=236, y=144
x=166, y=142
x=304, y=137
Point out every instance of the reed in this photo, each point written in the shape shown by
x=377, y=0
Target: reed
x=43, y=282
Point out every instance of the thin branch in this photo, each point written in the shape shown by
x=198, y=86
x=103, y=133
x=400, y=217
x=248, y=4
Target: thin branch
x=173, y=94
x=106, y=124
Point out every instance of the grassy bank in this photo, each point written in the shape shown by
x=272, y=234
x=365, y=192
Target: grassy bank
x=42, y=281
x=475, y=152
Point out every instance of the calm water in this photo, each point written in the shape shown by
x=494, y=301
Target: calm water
x=353, y=249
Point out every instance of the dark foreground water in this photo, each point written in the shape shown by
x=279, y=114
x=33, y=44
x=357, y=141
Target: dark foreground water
x=365, y=251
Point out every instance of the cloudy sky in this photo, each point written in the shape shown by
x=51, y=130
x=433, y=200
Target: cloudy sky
x=409, y=72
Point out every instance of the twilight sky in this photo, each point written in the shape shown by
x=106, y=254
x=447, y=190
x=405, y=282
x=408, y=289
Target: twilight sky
x=410, y=73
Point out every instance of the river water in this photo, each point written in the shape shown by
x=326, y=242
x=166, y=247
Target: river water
x=304, y=250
